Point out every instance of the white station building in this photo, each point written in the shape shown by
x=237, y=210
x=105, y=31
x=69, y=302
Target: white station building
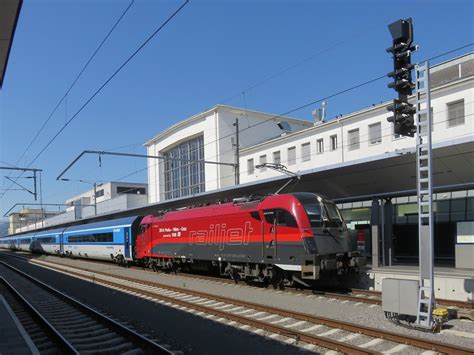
x=209, y=136
x=302, y=146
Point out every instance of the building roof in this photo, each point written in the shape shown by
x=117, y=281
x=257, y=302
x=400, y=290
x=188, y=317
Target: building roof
x=442, y=75
x=9, y=12
x=114, y=223
x=219, y=107
x=90, y=191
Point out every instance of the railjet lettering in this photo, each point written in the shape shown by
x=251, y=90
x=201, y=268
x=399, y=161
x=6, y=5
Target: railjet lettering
x=220, y=235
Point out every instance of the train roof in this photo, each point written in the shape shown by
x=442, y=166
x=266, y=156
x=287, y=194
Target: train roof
x=240, y=204
x=113, y=223
x=50, y=232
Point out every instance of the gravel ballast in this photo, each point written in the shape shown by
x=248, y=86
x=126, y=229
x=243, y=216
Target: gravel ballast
x=180, y=330
x=359, y=313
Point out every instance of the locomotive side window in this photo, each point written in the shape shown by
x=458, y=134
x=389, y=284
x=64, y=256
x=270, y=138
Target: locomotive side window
x=284, y=218
x=256, y=215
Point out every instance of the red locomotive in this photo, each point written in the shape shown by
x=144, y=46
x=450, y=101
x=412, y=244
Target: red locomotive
x=278, y=239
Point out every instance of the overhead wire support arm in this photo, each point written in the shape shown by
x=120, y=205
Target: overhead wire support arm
x=103, y=152
x=38, y=204
x=22, y=187
x=295, y=178
x=34, y=170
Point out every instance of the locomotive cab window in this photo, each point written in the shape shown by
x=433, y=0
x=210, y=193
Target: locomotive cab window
x=334, y=218
x=283, y=217
x=256, y=215
x=144, y=227
x=313, y=210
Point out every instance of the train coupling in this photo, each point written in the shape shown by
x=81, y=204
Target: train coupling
x=356, y=260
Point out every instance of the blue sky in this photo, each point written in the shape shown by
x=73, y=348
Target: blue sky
x=212, y=51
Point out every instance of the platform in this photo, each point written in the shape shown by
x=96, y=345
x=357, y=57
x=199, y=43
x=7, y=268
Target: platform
x=13, y=337
x=450, y=283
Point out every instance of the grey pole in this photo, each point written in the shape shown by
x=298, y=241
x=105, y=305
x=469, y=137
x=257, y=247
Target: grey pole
x=374, y=223
x=35, y=194
x=95, y=198
x=41, y=201
x=237, y=153
x=382, y=230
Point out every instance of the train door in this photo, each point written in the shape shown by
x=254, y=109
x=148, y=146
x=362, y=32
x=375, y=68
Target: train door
x=61, y=243
x=127, y=242
x=145, y=246
x=280, y=226
x=270, y=235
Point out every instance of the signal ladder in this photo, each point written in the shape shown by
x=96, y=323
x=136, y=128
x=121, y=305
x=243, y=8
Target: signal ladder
x=425, y=192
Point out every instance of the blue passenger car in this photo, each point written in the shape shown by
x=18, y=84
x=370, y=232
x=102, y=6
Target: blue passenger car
x=48, y=241
x=24, y=242
x=107, y=240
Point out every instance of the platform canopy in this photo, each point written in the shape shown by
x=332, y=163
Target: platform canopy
x=9, y=12
x=386, y=175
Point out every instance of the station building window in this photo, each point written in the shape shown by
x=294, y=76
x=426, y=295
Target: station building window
x=131, y=190
x=291, y=155
x=320, y=146
x=424, y=117
x=277, y=157
x=353, y=138
x=455, y=113
x=250, y=167
x=99, y=193
x=333, y=142
x=375, y=133
x=184, y=170
x=263, y=160
x=305, y=151
x=396, y=135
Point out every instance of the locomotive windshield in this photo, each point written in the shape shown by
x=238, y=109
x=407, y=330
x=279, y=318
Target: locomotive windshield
x=333, y=215
x=313, y=210
x=320, y=212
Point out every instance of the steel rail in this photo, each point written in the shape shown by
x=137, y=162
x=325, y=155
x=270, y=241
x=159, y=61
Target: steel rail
x=297, y=335
x=439, y=301
x=133, y=336
x=343, y=296
x=65, y=346
x=351, y=327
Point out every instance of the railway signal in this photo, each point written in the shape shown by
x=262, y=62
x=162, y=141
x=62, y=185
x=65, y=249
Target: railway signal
x=409, y=120
x=403, y=111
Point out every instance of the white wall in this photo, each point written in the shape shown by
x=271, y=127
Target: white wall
x=441, y=96
x=216, y=125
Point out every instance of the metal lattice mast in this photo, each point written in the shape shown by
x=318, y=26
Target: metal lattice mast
x=425, y=192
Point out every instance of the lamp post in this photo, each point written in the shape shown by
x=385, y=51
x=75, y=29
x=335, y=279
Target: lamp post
x=90, y=183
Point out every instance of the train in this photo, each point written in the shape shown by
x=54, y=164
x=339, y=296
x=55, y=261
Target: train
x=286, y=239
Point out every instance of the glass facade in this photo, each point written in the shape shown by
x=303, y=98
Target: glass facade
x=184, y=171
x=447, y=213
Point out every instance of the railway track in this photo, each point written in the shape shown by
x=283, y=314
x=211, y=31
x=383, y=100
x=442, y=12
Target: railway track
x=307, y=330
x=352, y=295
x=58, y=323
